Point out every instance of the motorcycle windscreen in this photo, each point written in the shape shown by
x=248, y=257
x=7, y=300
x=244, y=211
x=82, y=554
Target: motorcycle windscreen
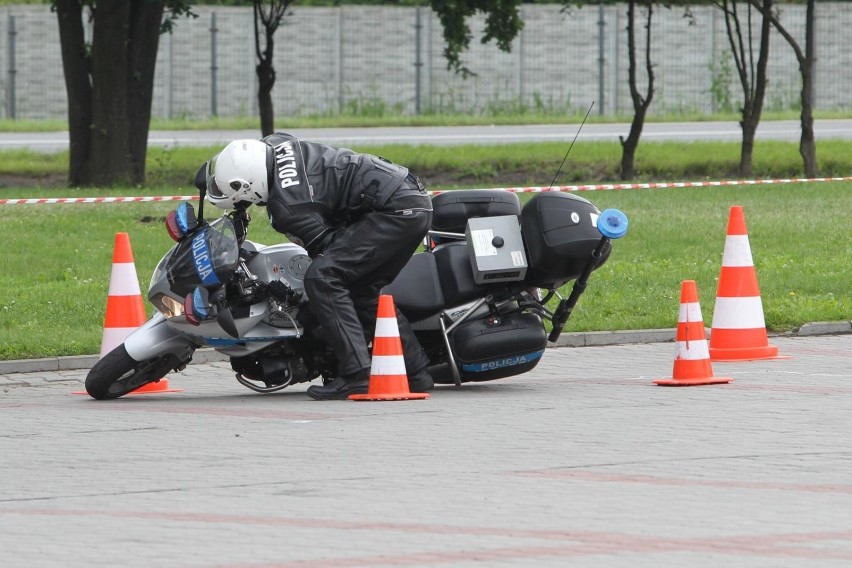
x=207, y=258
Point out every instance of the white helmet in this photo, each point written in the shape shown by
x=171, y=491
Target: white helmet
x=238, y=174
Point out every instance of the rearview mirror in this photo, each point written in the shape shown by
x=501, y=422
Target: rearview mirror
x=201, y=177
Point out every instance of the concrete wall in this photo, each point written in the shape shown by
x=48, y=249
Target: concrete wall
x=373, y=59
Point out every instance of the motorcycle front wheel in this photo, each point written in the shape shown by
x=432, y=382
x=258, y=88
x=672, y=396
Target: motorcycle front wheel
x=117, y=373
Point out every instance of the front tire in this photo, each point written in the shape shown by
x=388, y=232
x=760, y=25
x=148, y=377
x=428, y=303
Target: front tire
x=117, y=373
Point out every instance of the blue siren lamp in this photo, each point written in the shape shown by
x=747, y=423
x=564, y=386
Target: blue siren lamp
x=612, y=223
x=181, y=221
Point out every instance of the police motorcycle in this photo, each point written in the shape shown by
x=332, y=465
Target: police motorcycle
x=477, y=297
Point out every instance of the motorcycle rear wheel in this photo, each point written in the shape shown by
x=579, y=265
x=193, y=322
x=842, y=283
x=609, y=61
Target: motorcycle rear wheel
x=117, y=373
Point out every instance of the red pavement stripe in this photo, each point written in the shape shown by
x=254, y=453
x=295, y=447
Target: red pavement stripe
x=710, y=546
x=586, y=542
x=608, y=477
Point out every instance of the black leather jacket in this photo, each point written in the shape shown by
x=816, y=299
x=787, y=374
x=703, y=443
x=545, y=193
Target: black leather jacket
x=315, y=188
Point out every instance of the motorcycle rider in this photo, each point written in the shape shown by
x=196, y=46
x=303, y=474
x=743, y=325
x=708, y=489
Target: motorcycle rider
x=360, y=218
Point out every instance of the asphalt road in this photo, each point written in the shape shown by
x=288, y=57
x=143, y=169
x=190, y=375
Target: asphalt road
x=447, y=135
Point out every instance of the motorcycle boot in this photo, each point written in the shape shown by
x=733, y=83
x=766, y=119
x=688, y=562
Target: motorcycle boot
x=421, y=381
x=341, y=387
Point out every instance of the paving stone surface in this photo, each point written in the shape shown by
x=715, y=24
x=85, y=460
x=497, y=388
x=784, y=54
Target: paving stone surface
x=581, y=462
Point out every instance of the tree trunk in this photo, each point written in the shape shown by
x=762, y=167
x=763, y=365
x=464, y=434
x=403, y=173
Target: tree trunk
x=266, y=80
x=265, y=70
x=109, y=88
x=75, y=64
x=628, y=146
x=807, y=143
x=806, y=59
x=109, y=158
x=749, y=129
x=751, y=121
x=640, y=103
x=753, y=81
x=146, y=18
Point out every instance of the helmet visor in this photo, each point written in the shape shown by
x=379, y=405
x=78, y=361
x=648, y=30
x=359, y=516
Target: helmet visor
x=212, y=187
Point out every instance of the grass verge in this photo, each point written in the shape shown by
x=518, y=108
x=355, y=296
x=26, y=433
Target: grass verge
x=57, y=260
x=171, y=170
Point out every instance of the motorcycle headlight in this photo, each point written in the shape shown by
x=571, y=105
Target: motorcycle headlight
x=167, y=305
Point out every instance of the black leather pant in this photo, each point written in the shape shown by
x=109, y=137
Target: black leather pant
x=344, y=282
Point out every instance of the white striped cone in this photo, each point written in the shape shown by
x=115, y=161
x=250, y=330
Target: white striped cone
x=738, y=331
x=125, y=311
x=388, y=379
x=387, y=360
x=692, y=362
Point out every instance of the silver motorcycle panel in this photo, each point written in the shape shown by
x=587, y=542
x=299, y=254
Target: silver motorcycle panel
x=286, y=262
x=155, y=338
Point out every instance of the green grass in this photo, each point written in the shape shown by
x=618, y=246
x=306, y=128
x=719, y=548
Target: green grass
x=799, y=239
x=57, y=258
x=443, y=167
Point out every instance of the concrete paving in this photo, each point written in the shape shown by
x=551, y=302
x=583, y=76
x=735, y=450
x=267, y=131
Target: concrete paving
x=581, y=462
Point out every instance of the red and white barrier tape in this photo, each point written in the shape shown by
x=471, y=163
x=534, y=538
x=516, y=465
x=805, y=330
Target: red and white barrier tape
x=532, y=189
x=663, y=185
x=55, y=200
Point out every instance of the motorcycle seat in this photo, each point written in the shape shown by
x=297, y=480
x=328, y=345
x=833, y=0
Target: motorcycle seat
x=455, y=273
x=416, y=290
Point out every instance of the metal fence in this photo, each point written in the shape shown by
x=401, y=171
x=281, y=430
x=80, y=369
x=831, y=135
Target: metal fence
x=386, y=59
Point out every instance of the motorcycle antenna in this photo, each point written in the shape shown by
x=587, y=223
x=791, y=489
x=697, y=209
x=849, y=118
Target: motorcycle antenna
x=571, y=146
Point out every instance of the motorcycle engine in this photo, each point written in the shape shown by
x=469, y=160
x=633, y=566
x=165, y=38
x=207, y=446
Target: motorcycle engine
x=273, y=368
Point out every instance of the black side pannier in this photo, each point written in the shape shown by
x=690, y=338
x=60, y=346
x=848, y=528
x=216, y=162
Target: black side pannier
x=492, y=349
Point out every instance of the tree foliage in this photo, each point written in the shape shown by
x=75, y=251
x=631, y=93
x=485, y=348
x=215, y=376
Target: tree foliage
x=502, y=24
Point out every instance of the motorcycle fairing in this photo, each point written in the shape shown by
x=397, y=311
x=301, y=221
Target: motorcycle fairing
x=259, y=338
x=207, y=259
x=221, y=342
x=153, y=339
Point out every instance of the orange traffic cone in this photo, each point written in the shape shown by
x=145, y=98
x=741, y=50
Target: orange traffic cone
x=738, y=331
x=125, y=310
x=692, y=363
x=388, y=379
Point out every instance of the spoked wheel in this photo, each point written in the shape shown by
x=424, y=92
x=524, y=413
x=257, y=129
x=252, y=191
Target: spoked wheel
x=118, y=373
